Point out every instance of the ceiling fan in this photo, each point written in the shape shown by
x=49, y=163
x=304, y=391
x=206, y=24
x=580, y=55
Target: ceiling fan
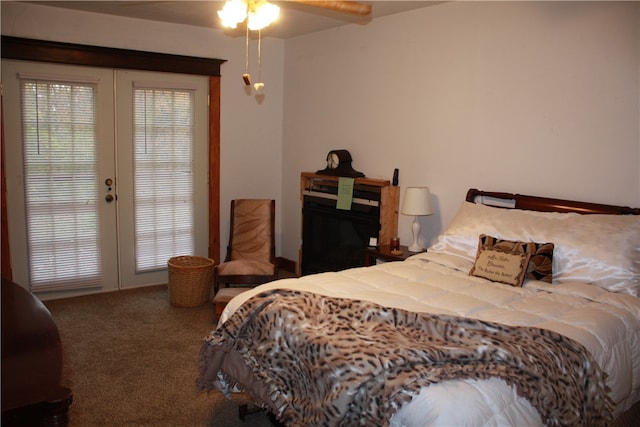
x=259, y=14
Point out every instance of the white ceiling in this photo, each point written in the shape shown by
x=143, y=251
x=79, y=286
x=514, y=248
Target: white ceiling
x=295, y=18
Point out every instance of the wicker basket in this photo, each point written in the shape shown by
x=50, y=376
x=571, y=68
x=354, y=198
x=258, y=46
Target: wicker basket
x=189, y=280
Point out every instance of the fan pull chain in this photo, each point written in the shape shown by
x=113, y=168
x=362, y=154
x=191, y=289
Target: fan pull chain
x=259, y=86
x=246, y=76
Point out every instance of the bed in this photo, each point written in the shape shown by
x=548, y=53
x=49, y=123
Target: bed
x=525, y=311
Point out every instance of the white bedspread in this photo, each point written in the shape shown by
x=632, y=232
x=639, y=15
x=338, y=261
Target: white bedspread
x=607, y=324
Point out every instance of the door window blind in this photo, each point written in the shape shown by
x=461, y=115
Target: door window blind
x=60, y=183
x=163, y=175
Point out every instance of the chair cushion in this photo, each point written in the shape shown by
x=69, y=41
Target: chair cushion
x=225, y=295
x=246, y=267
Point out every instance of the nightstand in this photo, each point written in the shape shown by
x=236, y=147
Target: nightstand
x=383, y=252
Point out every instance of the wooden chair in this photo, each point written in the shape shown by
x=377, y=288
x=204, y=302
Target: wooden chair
x=251, y=252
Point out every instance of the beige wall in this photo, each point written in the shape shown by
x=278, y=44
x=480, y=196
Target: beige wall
x=531, y=97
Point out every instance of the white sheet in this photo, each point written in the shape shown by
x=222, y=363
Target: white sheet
x=607, y=324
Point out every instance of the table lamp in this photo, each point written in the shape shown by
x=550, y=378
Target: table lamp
x=417, y=202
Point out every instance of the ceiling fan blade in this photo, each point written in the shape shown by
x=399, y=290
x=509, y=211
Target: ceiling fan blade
x=346, y=6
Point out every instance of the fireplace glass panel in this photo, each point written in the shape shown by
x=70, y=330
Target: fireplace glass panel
x=335, y=239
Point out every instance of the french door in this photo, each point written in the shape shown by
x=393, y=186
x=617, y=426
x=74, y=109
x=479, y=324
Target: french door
x=106, y=174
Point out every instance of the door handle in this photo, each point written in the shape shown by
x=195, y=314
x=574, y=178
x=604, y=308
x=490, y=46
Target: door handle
x=108, y=198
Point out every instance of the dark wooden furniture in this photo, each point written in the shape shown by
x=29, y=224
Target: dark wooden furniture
x=32, y=393
x=384, y=253
x=545, y=204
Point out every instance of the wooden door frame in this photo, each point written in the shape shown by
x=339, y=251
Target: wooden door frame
x=94, y=56
x=7, y=272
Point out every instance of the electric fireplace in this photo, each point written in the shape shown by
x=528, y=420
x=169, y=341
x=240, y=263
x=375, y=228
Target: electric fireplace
x=335, y=239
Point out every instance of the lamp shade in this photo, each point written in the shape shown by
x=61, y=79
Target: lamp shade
x=417, y=201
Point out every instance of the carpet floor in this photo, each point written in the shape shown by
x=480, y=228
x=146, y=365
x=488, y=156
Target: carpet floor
x=130, y=358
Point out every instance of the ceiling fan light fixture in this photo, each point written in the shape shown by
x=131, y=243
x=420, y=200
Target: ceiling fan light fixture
x=233, y=13
x=259, y=14
x=262, y=14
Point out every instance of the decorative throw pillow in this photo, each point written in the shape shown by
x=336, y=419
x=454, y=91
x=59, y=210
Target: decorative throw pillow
x=501, y=266
x=540, y=262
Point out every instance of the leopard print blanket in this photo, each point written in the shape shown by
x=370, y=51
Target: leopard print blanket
x=321, y=361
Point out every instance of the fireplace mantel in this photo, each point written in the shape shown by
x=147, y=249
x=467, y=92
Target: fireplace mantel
x=382, y=193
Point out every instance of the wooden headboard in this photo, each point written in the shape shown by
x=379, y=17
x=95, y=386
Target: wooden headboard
x=544, y=204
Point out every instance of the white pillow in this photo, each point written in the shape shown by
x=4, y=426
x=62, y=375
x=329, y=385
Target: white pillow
x=603, y=250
